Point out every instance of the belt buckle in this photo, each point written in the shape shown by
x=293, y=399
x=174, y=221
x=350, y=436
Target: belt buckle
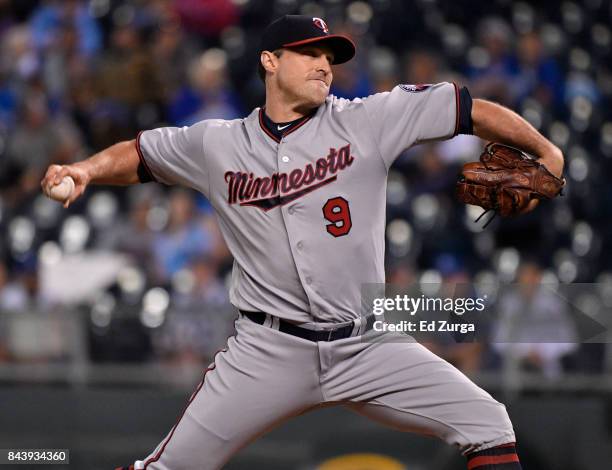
x=329, y=336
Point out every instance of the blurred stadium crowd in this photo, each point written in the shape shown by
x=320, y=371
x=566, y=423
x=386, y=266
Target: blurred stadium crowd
x=146, y=265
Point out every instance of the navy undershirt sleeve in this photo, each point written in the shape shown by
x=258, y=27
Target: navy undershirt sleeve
x=465, y=112
x=143, y=174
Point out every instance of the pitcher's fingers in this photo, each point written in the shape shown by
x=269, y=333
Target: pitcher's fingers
x=531, y=206
x=49, y=177
x=64, y=171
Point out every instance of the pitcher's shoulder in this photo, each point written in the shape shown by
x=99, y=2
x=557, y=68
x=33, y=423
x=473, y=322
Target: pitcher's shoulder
x=225, y=123
x=335, y=104
x=219, y=126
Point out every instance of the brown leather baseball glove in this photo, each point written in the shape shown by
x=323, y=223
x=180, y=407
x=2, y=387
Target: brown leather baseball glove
x=505, y=180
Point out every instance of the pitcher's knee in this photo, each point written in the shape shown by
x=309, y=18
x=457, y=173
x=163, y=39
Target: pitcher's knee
x=490, y=427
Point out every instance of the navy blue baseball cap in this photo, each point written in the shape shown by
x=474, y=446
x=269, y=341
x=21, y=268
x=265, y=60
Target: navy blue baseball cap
x=297, y=30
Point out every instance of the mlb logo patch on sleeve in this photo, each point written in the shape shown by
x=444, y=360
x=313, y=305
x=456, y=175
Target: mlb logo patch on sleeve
x=415, y=88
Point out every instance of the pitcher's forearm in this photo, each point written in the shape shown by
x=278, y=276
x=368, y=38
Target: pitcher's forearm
x=115, y=165
x=496, y=123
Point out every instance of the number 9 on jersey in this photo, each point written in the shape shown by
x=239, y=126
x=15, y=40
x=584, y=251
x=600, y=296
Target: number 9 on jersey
x=337, y=211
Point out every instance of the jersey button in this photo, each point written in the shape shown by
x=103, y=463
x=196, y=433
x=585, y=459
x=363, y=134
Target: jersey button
x=308, y=280
x=300, y=245
x=291, y=210
x=285, y=159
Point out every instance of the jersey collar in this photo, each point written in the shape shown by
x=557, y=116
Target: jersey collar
x=277, y=130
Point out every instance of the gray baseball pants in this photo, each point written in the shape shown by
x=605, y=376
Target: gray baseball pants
x=265, y=377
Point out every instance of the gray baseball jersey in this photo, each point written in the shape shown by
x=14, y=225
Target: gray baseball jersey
x=304, y=217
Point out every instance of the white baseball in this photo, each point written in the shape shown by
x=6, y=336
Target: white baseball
x=62, y=191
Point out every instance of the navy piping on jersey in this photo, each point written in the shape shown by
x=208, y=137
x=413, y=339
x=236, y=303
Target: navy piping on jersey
x=456, y=131
x=271, y=128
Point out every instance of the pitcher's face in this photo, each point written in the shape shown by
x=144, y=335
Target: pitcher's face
x=304, y=74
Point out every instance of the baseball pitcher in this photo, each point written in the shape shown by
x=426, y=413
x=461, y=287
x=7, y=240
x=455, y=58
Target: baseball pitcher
x=299, y=188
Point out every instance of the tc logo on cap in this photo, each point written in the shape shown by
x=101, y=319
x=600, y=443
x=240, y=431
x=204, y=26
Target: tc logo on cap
x=319, y=23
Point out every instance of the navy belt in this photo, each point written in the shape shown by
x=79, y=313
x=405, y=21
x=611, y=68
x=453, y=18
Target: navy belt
x=304, y=333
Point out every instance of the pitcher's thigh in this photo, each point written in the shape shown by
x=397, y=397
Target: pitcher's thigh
x=414, y=390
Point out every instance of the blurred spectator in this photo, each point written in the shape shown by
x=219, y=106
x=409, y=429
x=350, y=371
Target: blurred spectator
x=384, y=70
x=534, y=326
x=52, y=15
x=13, y=295
x=538, y=76
x=401, y=274
x=4, y=352
x=135, y=236
x=34, y=144
x=201, y=286
x=491, y=71
x=351, y=81
x=18, y=62
x=201, y=318
x=461, y=350
x=173, y=51
x=85, y=110
x=62, y=62
x=433, y=175
x=126, y=83
x=421, y=66
x=184, y=238
x=207, y=17
x=19, y=59
x=210, y=95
